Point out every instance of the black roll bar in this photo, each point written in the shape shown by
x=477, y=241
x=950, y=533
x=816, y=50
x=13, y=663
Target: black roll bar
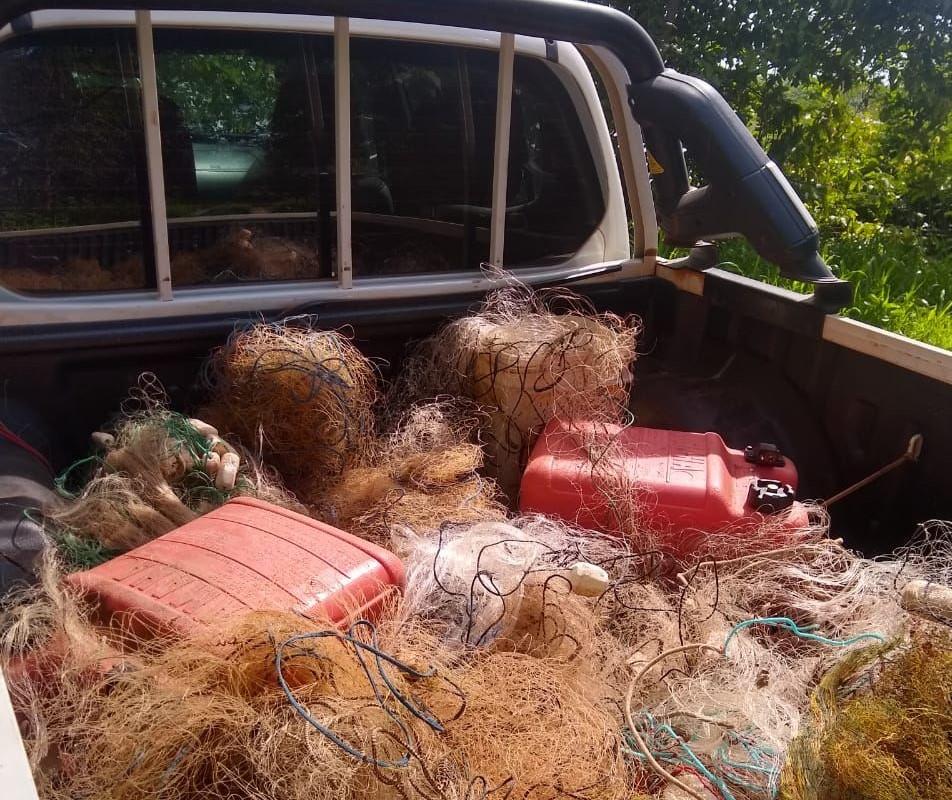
x=746, y=193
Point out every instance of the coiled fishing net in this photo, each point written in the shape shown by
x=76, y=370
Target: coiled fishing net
x=302, y=398
x=148, y=476
x=422, y=475
x=527, y=358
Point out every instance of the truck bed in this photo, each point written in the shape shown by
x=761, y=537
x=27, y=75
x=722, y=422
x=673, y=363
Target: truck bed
x=724, y=354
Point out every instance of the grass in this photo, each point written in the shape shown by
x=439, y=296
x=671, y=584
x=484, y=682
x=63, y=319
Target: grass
x=902, y=281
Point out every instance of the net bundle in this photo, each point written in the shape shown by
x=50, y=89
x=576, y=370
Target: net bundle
x=528, y=358
x=422, y=475
x=879, y=726
x=151, y=472
x=530, y=584
x=302, y=398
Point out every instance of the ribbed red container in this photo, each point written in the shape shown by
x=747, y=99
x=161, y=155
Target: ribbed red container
x=685, y=482
x=247, y=555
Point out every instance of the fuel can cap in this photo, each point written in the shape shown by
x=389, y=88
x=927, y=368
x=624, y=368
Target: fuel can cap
x=769, y=497
x=764, y=454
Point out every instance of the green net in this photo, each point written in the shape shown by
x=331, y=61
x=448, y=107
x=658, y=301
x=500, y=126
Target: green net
x=880, y=728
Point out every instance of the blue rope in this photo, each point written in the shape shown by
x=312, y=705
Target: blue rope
x=801, y=633
x=688, y=755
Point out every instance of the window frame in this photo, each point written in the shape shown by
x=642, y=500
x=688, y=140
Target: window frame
x=569, y=67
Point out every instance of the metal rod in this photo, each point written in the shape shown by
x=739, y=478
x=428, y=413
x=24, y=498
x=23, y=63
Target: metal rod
x=497, y=235
x=345, y=261
x=153, y=153
x=913, y=450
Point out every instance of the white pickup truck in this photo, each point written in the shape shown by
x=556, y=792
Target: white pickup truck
x=168, y=172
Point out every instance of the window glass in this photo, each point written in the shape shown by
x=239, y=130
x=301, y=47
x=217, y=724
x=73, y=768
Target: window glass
x=423, y=132
x=71, y=164
x=554, y=199
x=411, y=166
x=249, y=186
x=248, y=151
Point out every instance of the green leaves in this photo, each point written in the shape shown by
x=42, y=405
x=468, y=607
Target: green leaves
x=839, y=92
x=223, y=94
x=853, y=98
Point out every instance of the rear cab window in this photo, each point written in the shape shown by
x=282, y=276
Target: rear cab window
x=72, y=164
x=248, y=152
x=249, y=193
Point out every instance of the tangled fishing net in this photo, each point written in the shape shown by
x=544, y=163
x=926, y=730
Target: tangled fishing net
x=300, y=397
x=270, y=706
x=527, y=358
x=531, y=584
x=739, y=643
x=154, y=471
x=527, y=659
x=880, y=727
x=424, y=474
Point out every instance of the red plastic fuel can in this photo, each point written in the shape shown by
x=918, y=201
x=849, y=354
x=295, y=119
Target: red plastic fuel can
x=247, y=555
x=685, y=482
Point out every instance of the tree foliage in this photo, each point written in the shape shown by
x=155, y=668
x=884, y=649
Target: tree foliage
x=853, y=99
x=228, y=94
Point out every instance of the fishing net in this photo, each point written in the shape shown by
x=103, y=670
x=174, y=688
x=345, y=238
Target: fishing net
x=272, y=706
x=424, y=474
x=527, y=358
x=529, y=584
x=300, y=397
x=154, y=471
x=508, y=671
x=245, y=255
x=77, y=275
x=49, y=654
x=733, y=648
x=880, y=727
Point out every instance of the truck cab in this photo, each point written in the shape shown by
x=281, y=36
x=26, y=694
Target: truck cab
x=167, y=175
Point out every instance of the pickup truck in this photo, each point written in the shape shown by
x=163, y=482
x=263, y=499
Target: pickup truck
x=170, y=173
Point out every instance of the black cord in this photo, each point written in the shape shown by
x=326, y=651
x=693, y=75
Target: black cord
x=361, y=648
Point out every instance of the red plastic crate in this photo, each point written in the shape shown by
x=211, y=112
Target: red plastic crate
x=687, y=482
x=247, y=555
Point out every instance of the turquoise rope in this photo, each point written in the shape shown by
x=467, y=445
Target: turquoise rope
x=801, y=633
x=60, y=482
x=654, y=730
x=762, y=761
x=758, y=755
x=691, y=757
